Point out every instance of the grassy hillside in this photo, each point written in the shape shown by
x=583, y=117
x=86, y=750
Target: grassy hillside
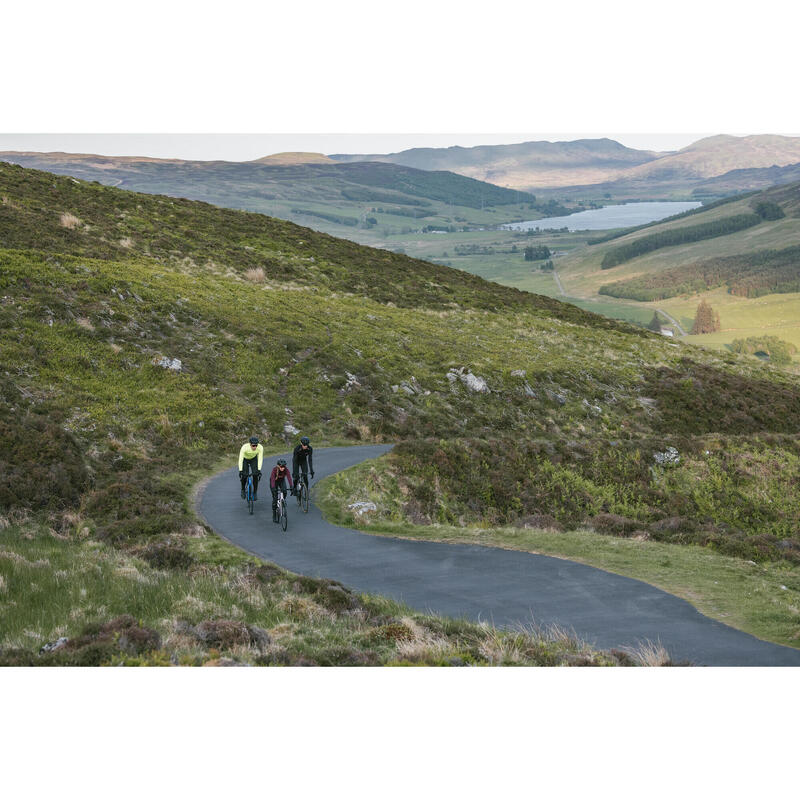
x=276, y=326
x=358, y=201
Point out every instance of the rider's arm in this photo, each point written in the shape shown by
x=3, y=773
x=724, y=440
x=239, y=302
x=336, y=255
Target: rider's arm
x=295, y=459
x=241, y=457
x=260, y=452
x=310, y=458
x=289, y=478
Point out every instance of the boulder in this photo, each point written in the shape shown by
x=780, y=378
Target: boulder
x=362, y=507
x=173, y=364
x=669, y=457
x=473, y=382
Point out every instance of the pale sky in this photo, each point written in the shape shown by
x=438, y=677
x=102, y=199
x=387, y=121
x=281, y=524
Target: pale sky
x=245, y=147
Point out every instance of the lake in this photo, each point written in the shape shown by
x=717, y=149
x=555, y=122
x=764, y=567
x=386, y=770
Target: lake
x=599, y=219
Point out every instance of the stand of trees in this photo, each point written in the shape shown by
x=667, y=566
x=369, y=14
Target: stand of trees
x=768, y=210
x=778, y=351
x=746, y=275
x=706, y=320
x=338, y=219
x=537, y=252
x=668, y=238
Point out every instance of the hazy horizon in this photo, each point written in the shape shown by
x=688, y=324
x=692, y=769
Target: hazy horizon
x=246, y=147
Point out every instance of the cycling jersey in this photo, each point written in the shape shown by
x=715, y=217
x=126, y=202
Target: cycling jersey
x=248, y=453
x=275, y=477
x=303, y=458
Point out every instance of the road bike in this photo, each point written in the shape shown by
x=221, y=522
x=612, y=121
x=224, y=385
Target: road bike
x=281, y=510
x=301, y=491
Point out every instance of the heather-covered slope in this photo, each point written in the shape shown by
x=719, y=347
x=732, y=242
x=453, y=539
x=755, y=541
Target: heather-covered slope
x=278, y=328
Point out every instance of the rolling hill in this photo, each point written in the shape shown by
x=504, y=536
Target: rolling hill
x=144, y=337
x=346, y=199
x=594, y=168
x=523, y=166
x=718, y=155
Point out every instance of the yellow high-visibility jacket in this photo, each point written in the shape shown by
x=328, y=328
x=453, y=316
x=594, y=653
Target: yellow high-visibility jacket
x=247, y=452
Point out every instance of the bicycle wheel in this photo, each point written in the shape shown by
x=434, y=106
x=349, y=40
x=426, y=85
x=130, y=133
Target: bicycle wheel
x=284, y=518
x=250, y=503
x=304, y=497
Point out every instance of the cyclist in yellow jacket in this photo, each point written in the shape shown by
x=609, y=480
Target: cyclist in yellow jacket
x=251, y=453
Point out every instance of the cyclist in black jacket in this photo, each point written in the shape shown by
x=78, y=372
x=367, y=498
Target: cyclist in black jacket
x=302, y=459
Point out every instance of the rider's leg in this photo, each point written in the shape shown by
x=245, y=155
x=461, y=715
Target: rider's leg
x=274, y=503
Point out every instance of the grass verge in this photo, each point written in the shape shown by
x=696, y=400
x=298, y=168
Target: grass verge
x=68, y=600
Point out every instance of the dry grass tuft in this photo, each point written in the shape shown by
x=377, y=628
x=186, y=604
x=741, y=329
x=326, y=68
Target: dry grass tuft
x=3, y=587
x=255, y=275
x=303, y=607
x=85, y=322
x=127, y=242
x=422, y=645
x=70, y=220
x=16, y=558
x=650, y=654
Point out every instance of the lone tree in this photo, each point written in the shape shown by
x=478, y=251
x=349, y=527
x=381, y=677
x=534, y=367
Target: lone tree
x=706, y=320
x=655, y=323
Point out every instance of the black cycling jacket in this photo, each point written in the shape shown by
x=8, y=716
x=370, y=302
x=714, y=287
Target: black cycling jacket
x=300, y=456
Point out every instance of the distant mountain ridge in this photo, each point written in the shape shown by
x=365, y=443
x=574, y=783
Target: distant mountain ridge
x=523, y=166
x=294, y=158
x=583, y=163
x=717, y=155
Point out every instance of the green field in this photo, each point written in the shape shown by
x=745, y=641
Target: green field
x=578, y=266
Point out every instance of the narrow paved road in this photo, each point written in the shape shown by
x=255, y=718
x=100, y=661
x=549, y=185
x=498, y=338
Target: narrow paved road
x=505, y=587
x=673, y=320
x=558, y=283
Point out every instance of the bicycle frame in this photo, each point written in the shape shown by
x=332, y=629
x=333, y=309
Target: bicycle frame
x=249, y=492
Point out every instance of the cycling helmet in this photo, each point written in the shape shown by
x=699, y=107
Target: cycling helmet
x=254, y=440
x=281, y=462
x=305, y=440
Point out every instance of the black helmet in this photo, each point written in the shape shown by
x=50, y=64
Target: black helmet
x=281, y=462
x=254, y=440
x=305, y=440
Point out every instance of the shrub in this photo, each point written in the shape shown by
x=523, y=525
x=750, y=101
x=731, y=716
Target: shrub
x=167, y=554
x=41, y=465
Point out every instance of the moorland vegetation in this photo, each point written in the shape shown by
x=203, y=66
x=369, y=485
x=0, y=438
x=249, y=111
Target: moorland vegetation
x=279, y=327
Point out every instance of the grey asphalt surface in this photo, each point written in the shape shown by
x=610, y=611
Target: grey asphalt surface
x=504, y=587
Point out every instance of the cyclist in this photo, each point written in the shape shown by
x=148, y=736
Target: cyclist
x=302, y=459
x=277, y=480
x=251, y=453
